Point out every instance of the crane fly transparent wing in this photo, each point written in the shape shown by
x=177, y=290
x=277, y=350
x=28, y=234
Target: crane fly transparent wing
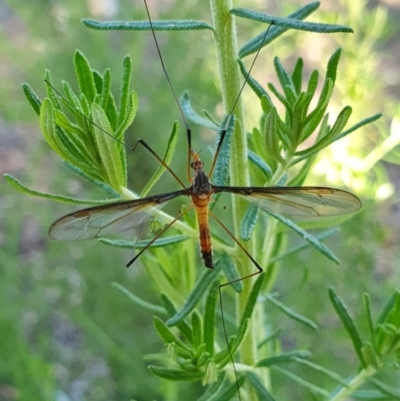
x=108, y=219
x=298, y=201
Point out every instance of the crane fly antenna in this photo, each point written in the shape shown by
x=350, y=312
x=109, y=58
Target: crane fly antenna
x=139, y=141
x=188, y=131
x=225, y=128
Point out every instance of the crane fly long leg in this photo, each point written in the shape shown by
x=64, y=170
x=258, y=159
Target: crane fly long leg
x=143, y=143
x=158, y=235
x=259, y=271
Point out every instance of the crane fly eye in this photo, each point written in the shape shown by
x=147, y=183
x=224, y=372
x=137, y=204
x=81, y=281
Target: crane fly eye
x=192, y=165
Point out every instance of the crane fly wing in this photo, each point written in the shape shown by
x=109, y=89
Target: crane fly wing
x=299, y=201
x=108, y=219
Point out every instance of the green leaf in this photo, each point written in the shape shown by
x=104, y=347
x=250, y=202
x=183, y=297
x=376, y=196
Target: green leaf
x=198, y=291
x=304, y=245
x=221, y=170
x=192, y=116
x=124, y=94
x=297, y=75
x=32, y=98
x=214, y=390
x=51, y=93
x=139, y=301
x=209, y=317
x=283, y=358
x=260, y=163
x=249, y=222
x=108, y=149
x=368, y=314
x=230, y=271
x=369, y=355
x=386, y=389
x=308, y=237
x=284, y=80
x=340, y=123
x=262, y=392
x=348, y=324
x=59, y=198
x=332, y=65
x=289, y=23
x=230, y=391
x=322, y=370
x=251, y=301
x=271, y=137
x=85, y=76
x=166, y=25
x=182, y=325
x=175, y=375
x=158, y=243
x=211, y=374
x=166, y=334
x=197, y=330
x=311, y=387
x=257, y=88
x=359, y=125
x=100, y=184
x=290, y=313
x=168, y=155
x=254, y=44
x=105, y=89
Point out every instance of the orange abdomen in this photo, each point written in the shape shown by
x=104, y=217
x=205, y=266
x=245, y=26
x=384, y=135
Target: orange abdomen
x=201, y=206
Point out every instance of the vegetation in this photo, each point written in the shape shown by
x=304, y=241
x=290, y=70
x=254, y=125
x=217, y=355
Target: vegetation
x=76, y=323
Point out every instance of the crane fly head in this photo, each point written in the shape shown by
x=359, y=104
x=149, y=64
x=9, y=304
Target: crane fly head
x=196, y=164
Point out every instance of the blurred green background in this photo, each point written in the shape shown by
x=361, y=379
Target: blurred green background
x=65, y=332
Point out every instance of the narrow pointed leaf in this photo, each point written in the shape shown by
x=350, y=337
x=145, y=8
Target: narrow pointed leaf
x=385, y=388
x=283, y=358
x=260, y=163
x=175, y=375
x=209, y=317
x=158, y=243
x=197, y=330
x=84, y=76
x=32, y=98
x=230, y=391
x=271, y=137
x=139, y=301
x=106, y=89
x=168, y=155
x=368, y=314
x=213, y=390
x=251, y=302
x=51, y=93
x=348, y=324
x=297, y=75
x=308, y=237
x=108, y=148
x=166, y=334
x=230, y=271
x=284, y=78
x=290, y=313
x=124, y=94
x=192, y=116
x=221, y=171
x=311, y=387
x=275, y=31
x=257, y=88
x=359, y=125
x=248, y=222
x=59, y=198
x=304, y=245
x=166, y=25
x=289, y=23
x=198, y=291
x=182, y=325
x=256, y=382
x=332, y=65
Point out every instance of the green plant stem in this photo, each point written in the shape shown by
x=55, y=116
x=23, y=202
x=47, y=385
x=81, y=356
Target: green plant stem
x=226, y=45
x=356, y=382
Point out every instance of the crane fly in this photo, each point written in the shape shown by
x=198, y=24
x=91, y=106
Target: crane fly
x=112, y=218
x=103, y=220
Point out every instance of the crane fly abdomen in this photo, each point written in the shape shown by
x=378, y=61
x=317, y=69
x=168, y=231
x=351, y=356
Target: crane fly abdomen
x=201, y=203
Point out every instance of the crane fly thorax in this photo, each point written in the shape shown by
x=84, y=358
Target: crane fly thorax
x=201, y=186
